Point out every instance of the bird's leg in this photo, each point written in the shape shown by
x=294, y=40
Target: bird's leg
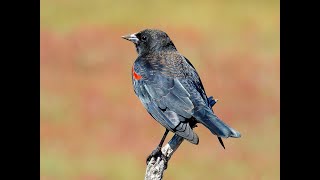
x=163, y=138
x=157, y=152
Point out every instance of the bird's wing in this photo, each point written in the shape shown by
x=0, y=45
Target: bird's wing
x=174, y=90
x=167, y=101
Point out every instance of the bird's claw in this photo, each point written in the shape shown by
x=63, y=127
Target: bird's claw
x=158, y=153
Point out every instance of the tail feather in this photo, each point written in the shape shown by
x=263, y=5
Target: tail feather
x=215, y=125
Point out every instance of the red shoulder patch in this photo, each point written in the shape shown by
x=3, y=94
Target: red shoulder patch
x=135, y=75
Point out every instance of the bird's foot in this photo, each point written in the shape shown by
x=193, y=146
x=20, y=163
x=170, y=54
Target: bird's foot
x=158, y=153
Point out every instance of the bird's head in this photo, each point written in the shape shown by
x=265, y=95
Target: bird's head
x=150, y=40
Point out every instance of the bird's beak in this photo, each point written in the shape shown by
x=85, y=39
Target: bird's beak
x=132, y=37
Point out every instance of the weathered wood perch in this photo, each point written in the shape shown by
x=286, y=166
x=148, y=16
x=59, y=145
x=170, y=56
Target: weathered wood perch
x=156, y=167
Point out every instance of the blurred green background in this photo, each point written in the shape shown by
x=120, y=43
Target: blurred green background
x=93, y=127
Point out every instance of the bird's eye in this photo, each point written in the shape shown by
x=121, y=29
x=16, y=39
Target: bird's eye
x=143, y=38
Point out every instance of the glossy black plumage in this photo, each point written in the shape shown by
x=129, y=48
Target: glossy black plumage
x=170, y=88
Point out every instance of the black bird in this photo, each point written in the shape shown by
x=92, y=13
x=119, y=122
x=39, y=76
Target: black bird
x=170, y=89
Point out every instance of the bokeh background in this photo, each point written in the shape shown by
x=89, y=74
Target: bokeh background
x=93, y=127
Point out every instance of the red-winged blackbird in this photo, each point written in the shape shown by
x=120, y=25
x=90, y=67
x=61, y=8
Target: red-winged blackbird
x=170, y=88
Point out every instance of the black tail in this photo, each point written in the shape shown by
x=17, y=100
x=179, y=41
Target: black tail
x=212, y=102
x=214, y=124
